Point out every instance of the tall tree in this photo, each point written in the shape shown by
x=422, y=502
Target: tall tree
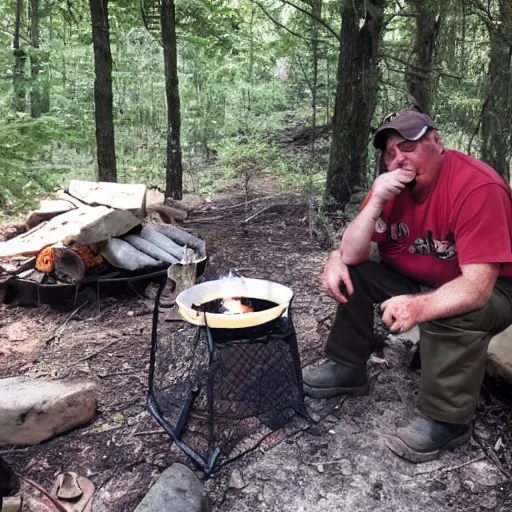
x=105, y=144
x=20, y=57
x=174, y=170
x=419, y=76
x=355, y=98
x=316, y=6
x=497, y=106
x=35, y=68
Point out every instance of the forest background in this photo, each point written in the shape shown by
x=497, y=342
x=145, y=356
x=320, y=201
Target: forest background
x=191, y=94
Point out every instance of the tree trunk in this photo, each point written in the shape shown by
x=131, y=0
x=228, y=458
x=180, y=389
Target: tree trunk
x=355, y=98
x=316, y=9
x=20, y=57
x=35, y=68
x=497, y=116
x=174, y=171
x=419, y=78
x=105, y=144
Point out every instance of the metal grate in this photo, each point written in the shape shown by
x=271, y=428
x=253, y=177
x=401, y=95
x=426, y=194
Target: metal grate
x=219, y=392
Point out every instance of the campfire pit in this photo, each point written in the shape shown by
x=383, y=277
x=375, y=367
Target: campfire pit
x=220, y=383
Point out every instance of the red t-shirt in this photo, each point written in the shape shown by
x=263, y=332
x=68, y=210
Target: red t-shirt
x=466, y=219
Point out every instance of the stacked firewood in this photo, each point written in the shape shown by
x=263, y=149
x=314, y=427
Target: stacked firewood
x=94, y=228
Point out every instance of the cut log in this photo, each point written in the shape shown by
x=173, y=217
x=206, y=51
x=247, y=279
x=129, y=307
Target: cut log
x=168, y=213
x=130, y=197
x=182, y=237
x=176, y=204
x=48, y=210
x=165, y=243
x=123, y=255
x=68, y=266
x=61, y=194
x=150, y=249
x=83, y=226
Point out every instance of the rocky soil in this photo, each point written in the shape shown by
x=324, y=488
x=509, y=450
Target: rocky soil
x=336, y=462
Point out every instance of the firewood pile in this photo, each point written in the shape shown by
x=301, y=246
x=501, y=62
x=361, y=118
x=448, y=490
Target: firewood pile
x=94, y=230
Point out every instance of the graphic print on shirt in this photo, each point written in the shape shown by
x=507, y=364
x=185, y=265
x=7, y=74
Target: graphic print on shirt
x=442, y=249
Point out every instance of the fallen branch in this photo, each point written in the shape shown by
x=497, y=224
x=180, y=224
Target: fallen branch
x=150, y=432
x=14, y=451
x=446, y=469
x=491, y=455
x=269, y=207
x=264, y=198
x=59, y=331
x=259, y=212
x=96, y=352
x=208, y=219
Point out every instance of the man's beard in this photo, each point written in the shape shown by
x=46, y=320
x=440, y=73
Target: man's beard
x=411, y=184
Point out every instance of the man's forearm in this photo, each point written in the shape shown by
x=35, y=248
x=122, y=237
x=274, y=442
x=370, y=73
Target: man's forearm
x=453, y=298
x=356, y=241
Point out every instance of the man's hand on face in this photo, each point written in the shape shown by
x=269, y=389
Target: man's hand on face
x=390, y=184
x=401, y=313
x=334, y=275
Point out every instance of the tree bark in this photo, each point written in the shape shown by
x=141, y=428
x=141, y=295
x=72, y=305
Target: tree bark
x=174, y=170
x=355, y=98
x=105, y=144
x=419, y=79
x=20, y=57
x=35, y=68
x=497, y=116
x=316, y=7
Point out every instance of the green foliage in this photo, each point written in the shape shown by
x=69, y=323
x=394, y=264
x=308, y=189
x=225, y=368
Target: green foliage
x=26, y=171
x=242, y=79
x=247, y=162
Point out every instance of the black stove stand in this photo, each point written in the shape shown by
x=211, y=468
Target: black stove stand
x=220, y=392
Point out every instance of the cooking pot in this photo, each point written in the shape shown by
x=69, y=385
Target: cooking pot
x=234, y=287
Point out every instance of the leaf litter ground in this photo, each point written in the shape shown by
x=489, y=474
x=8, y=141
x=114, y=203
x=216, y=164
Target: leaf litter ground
x=336, y=462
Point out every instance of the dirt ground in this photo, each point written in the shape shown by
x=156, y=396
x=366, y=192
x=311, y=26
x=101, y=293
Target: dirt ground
x=337, y=462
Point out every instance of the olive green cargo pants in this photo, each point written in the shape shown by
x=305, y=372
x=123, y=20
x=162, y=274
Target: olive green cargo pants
x=453, y=350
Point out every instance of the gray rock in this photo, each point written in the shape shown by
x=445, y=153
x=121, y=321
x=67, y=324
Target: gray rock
x=32, y=410
x=236, y=480
x=499, y=355
x=177, y=490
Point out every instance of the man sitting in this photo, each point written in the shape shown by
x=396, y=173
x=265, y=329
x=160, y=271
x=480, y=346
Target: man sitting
x=441, y=219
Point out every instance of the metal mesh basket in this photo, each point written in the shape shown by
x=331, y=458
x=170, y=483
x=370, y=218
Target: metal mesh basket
x=219, y=392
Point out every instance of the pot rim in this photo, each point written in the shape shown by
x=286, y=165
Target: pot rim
x=234, y=287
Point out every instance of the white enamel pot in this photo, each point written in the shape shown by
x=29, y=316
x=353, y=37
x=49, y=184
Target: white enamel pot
x=234, y=287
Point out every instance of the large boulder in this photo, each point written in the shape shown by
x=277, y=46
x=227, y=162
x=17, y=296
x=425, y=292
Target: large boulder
x=32, y=410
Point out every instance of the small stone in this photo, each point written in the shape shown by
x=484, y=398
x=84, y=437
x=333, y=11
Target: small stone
x=236, y=480
x=499, y=444
x=320, y=468
x=345, y=466
x=315, y=417
x=469, y=485
x=177, y=485
x=331, y=431
x=11, y=504
x=130, y=313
